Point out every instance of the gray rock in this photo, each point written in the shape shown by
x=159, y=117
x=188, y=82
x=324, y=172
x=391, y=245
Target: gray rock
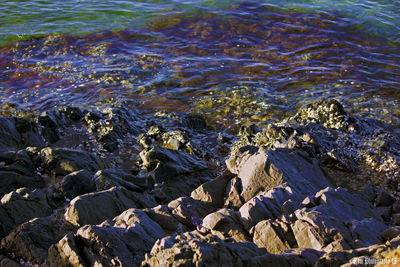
x=30, y=133
x=122, y=241
x=225, y=224
x=63, y=161
x=233, y=200
x=20, y=206
x=51, y=121
x=213, y=192
x=384, y=199
x=17, y=161
x=77, y=183
x=6, y=262
x=93, y=208
x=260, y=170
x=189, y=212
x=162, y=215
x=275, y=236
x=31, y=240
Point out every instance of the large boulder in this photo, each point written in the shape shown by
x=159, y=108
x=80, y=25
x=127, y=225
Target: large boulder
x=260, y=170
x=31, y=240
x=122, y=241
x=93, y=208
x=20, y=206
x=77, y=183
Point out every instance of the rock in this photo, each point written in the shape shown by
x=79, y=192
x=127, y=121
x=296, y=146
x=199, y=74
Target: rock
x=195, y=122
x=12, y=181
x=77, y=183
x=161, y=215
x=31, y=240
x=93, y=208
x=384, y=199
x=166, y=163
x=122, y=241
x=189, y=211
x=63, y=161
x=275, y=236
x=213, y=192
x=233, y=199
x=9, y=136
x=6, y=262
x=267, y=205
x=51, y=121
x=196, y=249
x=260, y=170
x=29, y=132
x=105, y=179
x=20, y=206
x=225, y=224
x=74, y=113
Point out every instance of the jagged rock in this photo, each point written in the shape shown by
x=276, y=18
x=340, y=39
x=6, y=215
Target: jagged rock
x=213, y=192
x=233, y=199
x=63, y=161
x=105, y=179
x=275, y=236
x=260, y=170
x=122, y=241
x=77, y=183
x=197, y=249
x=267, y=205
x=31, y=240
x=166, y=163
x=93, y=208
x=384, y=199
x=224, y=223
x=162, y=215
x=20, y=206
x=189, y=211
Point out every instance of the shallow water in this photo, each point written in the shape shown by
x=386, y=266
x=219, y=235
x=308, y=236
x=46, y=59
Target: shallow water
x=236, y=63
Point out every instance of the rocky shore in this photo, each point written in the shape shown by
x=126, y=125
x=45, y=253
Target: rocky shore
x=112, y=186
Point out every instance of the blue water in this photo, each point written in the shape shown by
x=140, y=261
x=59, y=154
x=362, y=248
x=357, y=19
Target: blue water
x=234, y=61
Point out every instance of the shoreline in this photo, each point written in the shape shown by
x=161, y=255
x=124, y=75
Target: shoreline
x=115, y=186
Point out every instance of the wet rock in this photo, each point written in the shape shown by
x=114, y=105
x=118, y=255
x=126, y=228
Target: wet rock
x=93, y=208
x=74, y=113
x=6, y=262
x=17, y=161
x=195, y=122
x=63, y=161
x=194, y=248
x=51, y=121
x=225, y=224
x=31, y=240
x=9, y=135
x=260, y=170
x=166, y=163
x=122, y=241
x=20, y=206
x=213, y=192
